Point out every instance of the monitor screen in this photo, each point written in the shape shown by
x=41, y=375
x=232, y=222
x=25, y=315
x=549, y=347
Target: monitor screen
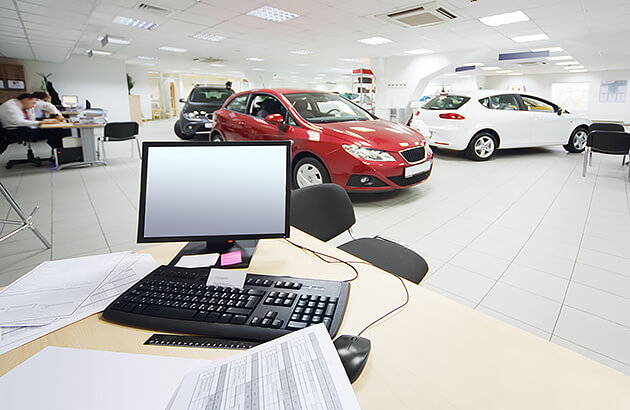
x=69, y=100
x=202, y=191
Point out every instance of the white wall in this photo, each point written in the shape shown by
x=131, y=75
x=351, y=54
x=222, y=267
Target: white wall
x=141, y=88
x=541, y=85
x=98, y=79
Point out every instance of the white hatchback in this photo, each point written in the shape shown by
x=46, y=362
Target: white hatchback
x=480, y=122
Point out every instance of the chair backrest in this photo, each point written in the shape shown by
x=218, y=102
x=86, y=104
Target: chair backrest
x=609, y=142
x=121, y=130
x=323, y=211
x=605, y=126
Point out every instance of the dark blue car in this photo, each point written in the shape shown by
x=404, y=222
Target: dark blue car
x=196, y=116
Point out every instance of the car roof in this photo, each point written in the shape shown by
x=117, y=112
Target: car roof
x=488, y=93
x=284, y=91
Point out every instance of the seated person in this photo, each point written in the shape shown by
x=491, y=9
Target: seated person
x=17, y=116
x=43, y=107
x=268, y=107
x=301, y=106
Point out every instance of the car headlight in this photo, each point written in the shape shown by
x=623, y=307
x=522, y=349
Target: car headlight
x=368, y=154
x=193, y=115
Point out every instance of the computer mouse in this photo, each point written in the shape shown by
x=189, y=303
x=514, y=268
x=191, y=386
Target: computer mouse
x=353, y=352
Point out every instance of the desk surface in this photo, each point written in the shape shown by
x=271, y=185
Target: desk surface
x=434, y=354
x=70, y=125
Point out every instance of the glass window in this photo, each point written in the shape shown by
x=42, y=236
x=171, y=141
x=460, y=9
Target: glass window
x=263, y=105
x=506, y=102
x=238, y=104
x=324, y=107
x=485, y=102
x=210, y=95
x=573, y=96
x=536, y=104
x=446, y=102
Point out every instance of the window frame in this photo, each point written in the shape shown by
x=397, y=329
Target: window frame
x=227, y=106
x=555, y=107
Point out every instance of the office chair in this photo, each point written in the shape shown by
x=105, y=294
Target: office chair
x=607, y=126
x=118, y=131
x=325, y=211
x=606, y=142
x=9, y=137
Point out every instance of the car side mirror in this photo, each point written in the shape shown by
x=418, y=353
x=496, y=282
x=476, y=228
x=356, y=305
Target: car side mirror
x=182, y=100
x=559, y=110
x=275, y=119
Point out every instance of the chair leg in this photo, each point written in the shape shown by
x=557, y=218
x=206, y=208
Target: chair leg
x=584, y=163
x=138, y=145
x=104, y=154
x=590, y=158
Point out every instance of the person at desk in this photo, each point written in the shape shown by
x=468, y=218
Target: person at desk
x=18, y=117
x=43, y=106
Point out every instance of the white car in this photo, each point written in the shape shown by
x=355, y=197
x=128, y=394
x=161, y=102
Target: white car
x=480, y=122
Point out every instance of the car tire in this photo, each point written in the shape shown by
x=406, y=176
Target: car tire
x=577, y=140
x=482, y=146
x=216, y=137
x=179, y=133
x=309, y=171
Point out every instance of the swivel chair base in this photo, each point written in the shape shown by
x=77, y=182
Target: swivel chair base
x=30, y=159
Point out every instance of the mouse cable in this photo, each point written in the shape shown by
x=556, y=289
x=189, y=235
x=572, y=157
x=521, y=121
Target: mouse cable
x=337, y=260
x=323, y=257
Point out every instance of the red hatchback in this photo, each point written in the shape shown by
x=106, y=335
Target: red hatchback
x=334, y=140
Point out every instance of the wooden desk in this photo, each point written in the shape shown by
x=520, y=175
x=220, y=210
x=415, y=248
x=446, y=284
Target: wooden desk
x=88, y=143
x=435, y=354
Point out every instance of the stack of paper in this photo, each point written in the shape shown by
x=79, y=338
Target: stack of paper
x=58, y=293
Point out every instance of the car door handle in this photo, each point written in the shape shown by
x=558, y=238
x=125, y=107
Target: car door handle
x=241, y=123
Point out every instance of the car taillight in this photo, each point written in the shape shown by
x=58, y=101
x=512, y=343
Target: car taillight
x=452, y=116
x=417, y=113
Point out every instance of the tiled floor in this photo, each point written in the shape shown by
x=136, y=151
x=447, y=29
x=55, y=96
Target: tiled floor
x=523, y=238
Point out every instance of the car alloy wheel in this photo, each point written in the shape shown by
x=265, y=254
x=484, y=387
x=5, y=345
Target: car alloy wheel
x=579, y=140
x=309, y=171
x=484, y=147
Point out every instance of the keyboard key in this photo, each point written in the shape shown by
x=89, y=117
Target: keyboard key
x=225, y=318
x=238, y=311
x=277, y=324
x=271, y=314
x=139, y=308
x=201, y=315
x=321, y=305
x=308, y=311
x=169, y=312
x=317, y=319
x=299, y=309
x=266, y=322
x=312, y=304
x=295, y=316
x=319, y=312
x=305, y=318
x=129, y=307
x=251, y=303
x=213, y=317
x=293, y=325
x=287, y=302
x=330, y=309
x=119, y=304
x=239, y=319
x=327, y=321
x=255, y=321
x=269, y=301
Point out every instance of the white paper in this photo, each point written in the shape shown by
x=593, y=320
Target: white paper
x=131, y=269
x=300, y=370
x=59, y=378
x=197, y=261
x=54, y=289
x=226, y=277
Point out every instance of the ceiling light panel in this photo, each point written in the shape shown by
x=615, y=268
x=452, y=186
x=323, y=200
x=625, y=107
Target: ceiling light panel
x=375, y=41
x=490, y=68
x=272, y=14
x=302, y=52
x=208, y=36
x=173, y=49
x=559, y=58
x=131, y=22
x=255, y=59
x=504, y=72
x=532, y=37
x=419, y=51
x=515, y=73
x=550, y=49
x=258, y=69
x=475, y=64
x=568, y=63
x=113, y=40
x=578, y=71
x=574, y=67
x=99, y=52
x=505, y=18
x=145, y=58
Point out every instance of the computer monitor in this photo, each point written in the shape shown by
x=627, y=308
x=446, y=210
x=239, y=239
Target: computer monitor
x=69, y=100
x=221, y=197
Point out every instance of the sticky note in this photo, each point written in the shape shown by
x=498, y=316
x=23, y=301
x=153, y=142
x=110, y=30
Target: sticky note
x=231, y=258
x=197, y=261
x=226, y=277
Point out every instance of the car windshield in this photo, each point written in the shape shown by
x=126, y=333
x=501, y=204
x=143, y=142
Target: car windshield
x=323, y=107
x=210, y=95
x=446, y=102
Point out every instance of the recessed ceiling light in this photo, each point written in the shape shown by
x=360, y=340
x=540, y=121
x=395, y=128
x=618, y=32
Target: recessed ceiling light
x=550, y=49
x=114, y=40
x=347, y=59
x=490, y=68
x=375, y=41
x=149, y=64
x=294, y=76
x=419, y=51
x=465, y=76
x=505, y=18
x=195, y=69
x=559, y=58
x=99, y=53
x=217, y=65
x=578, y=71
x=131, y=22
x=574, y=67
x=208, y=36
x=145, y=58
x=302, y=52
x=176, y=71
x=475, y=64
x=532, y=37
x=301, y=65
x=234, y=72
x=515, y=73
x=258, y=69
x=173, y=49
x=272, y=14
x=255, y=59
x=504, y=72
x=293, y=72
x=568, y=63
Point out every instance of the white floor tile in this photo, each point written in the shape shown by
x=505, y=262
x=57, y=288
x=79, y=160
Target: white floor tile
x=605, y=360
x=521, y=325
x=604, y=261
x=599, y=303
x=545, y=261
x=481, y=263
x=535, y=281
x=435, y=247
x=461, y=282
x=610, y=282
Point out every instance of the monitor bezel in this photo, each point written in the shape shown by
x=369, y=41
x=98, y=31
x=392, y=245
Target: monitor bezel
x=143, y=184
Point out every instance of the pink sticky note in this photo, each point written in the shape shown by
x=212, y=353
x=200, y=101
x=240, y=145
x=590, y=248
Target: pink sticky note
x=231, y=258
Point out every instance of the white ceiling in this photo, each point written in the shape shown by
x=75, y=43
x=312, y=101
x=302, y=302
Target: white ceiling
x=594, y=32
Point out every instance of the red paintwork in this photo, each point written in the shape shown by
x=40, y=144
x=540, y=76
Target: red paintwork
x=325, y=141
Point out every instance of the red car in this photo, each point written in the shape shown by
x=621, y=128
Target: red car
x=334, y=140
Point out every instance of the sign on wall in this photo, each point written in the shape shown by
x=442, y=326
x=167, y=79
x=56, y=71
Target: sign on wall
x=613, y=91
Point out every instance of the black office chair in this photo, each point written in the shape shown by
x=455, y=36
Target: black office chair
x=8, y=137
x=119, y=131
x=325, y=211
x=607, y=126
x=606, y=142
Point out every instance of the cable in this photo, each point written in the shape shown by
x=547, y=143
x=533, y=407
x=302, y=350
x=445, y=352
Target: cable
x=337, y=260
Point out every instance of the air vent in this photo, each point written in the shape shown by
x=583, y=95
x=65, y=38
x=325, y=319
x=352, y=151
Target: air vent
x=427, y=14
x=208, y=60
x=149, y=8
x=532, y=63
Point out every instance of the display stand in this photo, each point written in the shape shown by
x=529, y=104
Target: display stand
x=25, y=221
x=363, y=83
x=246, y=247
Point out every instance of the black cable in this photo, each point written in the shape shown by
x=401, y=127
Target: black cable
x=337, y=260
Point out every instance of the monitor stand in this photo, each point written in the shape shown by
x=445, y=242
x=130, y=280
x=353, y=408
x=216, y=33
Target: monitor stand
x=246, y=246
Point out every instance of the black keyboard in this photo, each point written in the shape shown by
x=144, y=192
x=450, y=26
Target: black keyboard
x=177, y=300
